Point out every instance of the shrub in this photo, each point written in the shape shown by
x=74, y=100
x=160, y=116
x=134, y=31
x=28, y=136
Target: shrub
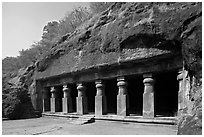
x=12, y=106
x=16, y=103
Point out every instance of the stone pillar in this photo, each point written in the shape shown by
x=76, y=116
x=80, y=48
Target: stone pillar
x=148, y=96
x=54, y=101
x=67, y=100
x=183, y=96
x=82, y=106
x=180, y=92
x=100, y=99
x=122, y=98
x=46, y=100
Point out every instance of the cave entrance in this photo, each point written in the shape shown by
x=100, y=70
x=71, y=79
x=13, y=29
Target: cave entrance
x=166, y=94
x=74, y=94
x=48, y=107
x=111, y=91
x=90, y=94
x=135, y=90
x=59, y=96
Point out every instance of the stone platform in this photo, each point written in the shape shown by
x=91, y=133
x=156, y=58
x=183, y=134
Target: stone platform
x=114, y=117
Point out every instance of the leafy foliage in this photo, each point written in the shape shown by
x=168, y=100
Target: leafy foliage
x=16, y=100
x=74, y=19
x=52, y=33
x=98, y=7
x=10, y=64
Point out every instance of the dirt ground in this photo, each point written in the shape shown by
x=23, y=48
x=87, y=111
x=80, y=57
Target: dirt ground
x=63, y=126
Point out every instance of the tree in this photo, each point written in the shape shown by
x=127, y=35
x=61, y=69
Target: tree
x=50, y=34
x=98, y=7
x=10, y=64
x=74, y=19
x=15, y=100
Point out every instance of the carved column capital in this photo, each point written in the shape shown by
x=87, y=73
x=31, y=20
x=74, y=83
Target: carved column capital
x=100, y=88
x=53, y=92
x=180, y=75
x=148, y=79
x=81, y=89
x=122, y=85
x=66, y=91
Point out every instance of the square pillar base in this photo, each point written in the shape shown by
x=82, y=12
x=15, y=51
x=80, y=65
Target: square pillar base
x=148, y=105
x=46, y=104
x=82, y=106
x=100, y=105
x=122, y=105
x=55, y=104
x=67, y=105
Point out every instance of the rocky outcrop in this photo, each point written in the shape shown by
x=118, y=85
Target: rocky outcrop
x=133, y=31
x=17, y=102
x=191, y=123
x=125, y=31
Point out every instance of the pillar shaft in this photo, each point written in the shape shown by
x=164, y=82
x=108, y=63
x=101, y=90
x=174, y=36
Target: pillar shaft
x=67, y=100
x=54, y=101
x=122, y=98
x=183, y=93
x=180, y=92
x=82, y=106
x=148, y=97
x=100, y=99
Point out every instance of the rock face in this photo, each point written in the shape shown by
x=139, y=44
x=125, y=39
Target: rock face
x=17, y=104
x=190, y=122
x=132, y=31
x=125, y=31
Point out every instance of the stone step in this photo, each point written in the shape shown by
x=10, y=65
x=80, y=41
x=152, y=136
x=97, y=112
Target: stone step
x=83, y=120
x=139, y=119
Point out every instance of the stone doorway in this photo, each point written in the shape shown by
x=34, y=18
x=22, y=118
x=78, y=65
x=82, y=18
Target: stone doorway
x=90, y=94
x=111, y=91
x=59, y=96
x=74, y=94
x=166, y=94
x=135, y=90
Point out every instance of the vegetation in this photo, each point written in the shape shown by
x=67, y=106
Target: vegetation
x=98, y=7
x=161, y=25
x=53, y=32
x=16, y=98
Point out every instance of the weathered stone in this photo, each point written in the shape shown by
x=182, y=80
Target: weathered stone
x=100, y=99
x=100, y=105
x=122, y=98
x=66, y=91
x=131, y=39
x=82, y=106
x=46, y=104
x=55, y=104
x=53, y=92
x=181, y=98
x=149, y=32
x=67, y=100
x=122, y=105
x=67, y=105
x=148, y=97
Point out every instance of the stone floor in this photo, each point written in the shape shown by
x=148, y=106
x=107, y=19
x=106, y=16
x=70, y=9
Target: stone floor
x=64, y=126
x=114, y=117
